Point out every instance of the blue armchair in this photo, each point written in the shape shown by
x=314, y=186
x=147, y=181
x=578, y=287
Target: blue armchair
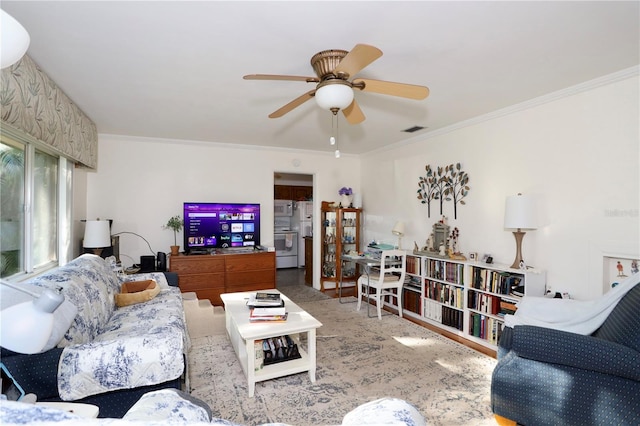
x=551, y=377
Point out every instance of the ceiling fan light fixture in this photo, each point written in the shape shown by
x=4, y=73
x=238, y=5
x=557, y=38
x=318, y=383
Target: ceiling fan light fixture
x=334, y=96
x=14, y=40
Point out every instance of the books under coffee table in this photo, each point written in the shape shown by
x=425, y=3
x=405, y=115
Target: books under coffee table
x=243, y=334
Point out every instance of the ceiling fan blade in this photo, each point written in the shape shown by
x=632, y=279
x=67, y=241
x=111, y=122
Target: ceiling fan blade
x=353, y=113
x=281, y=77
x=403, y=90
x=358, y=58
x=293, y=104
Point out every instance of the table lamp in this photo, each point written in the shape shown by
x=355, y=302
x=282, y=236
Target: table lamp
x=398, y=230
x=26, y=327
x=97, y=235
x=520, y=213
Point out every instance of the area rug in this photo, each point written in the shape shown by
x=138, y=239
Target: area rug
x=359, y=359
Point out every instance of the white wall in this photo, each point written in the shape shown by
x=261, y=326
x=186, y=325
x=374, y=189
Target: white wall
x=140, y=183
x=579, y=155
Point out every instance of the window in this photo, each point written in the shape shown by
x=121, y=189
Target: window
x=11, y=208
x=34, y=185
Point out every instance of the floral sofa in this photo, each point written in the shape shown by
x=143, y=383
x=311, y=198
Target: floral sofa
x=102, y=354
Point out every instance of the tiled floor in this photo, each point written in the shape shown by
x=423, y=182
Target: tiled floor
x=290, y=276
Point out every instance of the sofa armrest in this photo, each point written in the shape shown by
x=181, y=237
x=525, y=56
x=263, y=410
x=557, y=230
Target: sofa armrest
x=576, y=350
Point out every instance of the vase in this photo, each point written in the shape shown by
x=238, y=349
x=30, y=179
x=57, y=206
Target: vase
x=345, y=201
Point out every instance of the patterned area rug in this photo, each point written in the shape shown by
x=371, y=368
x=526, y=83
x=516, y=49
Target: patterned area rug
x=359, y=359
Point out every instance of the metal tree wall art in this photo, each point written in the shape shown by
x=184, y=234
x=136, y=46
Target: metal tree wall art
x=440, y=186
x=426, y=188
x=457, y=187
x=448, y=183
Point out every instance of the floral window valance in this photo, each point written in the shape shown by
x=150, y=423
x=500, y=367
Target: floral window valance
x=34, y=104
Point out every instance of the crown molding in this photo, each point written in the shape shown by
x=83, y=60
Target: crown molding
x=221, y=145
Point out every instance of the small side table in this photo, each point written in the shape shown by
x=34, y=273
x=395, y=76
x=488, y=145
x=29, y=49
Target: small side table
x=81, y=410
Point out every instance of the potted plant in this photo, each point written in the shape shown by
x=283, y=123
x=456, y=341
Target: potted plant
x=175, y=224
x=346, y=195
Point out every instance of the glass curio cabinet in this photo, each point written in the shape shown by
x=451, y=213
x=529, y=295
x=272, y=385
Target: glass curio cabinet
x=340, y=235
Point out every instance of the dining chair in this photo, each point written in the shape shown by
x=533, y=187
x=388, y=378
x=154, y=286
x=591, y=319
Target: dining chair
x=387, y=278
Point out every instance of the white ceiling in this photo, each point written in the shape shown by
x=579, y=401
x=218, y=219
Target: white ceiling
x=173, y=69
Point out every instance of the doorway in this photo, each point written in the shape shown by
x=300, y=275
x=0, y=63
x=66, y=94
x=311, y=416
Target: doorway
x=296, y=188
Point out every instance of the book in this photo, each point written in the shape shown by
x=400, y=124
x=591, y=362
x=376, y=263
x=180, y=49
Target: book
x=264, y=302
x=268, y=297
x=268, y=311
x=265, y=318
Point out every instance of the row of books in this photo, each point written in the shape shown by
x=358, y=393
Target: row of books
x=413, y=265
x=499, y=282
x=446, y=271
x=443, y=314
x=453, y=318
x=484, y=302
x=444, y=293
x=485, y=327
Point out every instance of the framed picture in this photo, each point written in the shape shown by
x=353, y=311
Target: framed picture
x=473, y=256
x=616, y=269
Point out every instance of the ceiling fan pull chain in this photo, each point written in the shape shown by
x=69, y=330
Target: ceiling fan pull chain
x=337, y=153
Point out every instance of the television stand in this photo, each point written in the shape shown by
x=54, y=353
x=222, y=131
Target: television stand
x=211, y=276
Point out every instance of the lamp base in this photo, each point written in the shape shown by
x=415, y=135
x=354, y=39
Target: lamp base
x=519, y=235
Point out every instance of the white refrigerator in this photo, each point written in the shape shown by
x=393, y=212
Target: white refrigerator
x=302, y=222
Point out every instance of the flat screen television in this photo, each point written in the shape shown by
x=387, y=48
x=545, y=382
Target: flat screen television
x=220, y=225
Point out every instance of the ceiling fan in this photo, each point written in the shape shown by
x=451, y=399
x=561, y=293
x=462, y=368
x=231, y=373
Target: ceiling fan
x=334, y=91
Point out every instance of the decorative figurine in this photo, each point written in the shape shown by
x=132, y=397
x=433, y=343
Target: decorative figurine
x=454, y=239
x=429, y=245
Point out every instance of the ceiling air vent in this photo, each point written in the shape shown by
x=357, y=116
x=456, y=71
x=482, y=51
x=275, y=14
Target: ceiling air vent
x=414, y=129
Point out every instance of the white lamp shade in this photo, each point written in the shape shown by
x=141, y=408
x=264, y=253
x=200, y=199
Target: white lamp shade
x=398, y=229
x=332, y=96
x=25, y=328
x=96, y=234
x=520, y=212
x=14, y=40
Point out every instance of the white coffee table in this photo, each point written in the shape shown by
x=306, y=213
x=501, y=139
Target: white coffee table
x=244, y=333
x=79, y=409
